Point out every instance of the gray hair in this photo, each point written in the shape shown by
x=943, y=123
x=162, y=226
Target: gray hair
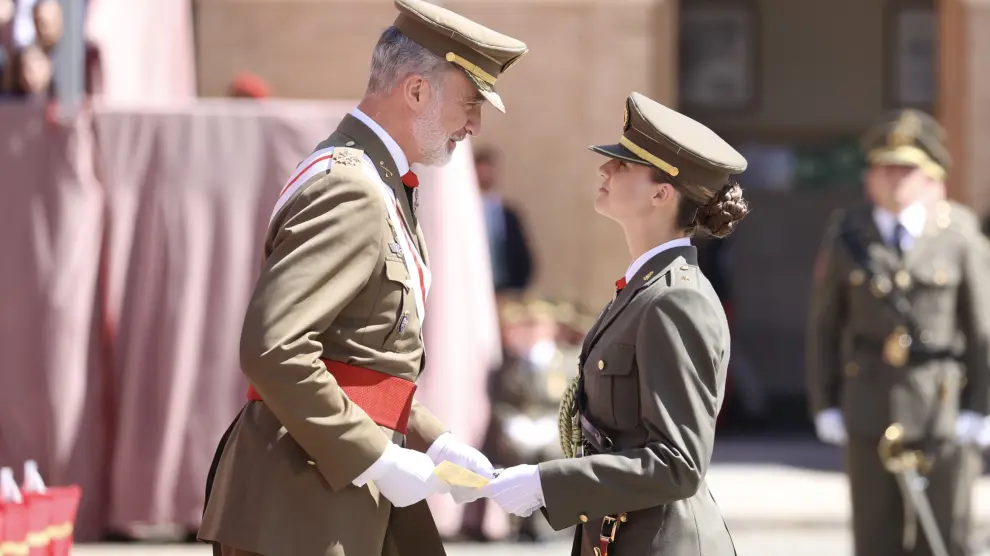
x=396, y=57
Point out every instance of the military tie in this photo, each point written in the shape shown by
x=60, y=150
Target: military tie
x=410, y=180
x=897, y=239
x=619, y=285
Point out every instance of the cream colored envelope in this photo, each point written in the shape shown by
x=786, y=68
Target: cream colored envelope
x=455, y=475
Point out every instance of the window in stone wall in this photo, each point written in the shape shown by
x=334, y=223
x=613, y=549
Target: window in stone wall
x=718, y=55
x=911, y=42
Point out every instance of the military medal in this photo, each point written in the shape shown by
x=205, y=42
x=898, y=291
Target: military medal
x=897, y=347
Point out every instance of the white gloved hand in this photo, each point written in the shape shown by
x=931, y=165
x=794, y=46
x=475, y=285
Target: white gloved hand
x=970, y=427
x=830, y=427
x=517, y=490
x=403, y=476
x=449, y=448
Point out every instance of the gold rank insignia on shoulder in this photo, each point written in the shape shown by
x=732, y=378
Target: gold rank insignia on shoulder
x=897, y=347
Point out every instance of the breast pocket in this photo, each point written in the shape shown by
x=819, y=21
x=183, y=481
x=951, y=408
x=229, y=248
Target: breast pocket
x=399, y=308
x=616, y=386
x=936, y=288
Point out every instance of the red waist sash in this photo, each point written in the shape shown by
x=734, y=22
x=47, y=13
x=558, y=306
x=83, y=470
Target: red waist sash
x=385, y=398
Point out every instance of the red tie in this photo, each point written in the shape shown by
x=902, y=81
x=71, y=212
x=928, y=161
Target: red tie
x=410, y=180
x=619, y=284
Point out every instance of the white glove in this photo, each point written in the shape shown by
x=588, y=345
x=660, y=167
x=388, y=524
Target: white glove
x=449, y=448
x=829, y=426
x=517, y=490
x=972, y=428
x=403, y=476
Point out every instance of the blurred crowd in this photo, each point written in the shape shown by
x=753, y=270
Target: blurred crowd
x=31, y=32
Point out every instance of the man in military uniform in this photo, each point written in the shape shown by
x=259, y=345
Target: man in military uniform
x=332, y=456
x=898, y=334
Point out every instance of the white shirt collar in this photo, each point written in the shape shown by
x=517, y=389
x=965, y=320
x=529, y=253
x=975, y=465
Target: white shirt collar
x=401, y=162
x=641, y=260
x=913, y=218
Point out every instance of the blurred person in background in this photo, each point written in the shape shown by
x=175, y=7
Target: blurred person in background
x=48, y=24
x=248, y=85
x=525, y=393
x=36, y=28
x=6, y=19
x=31, y=73
x=512, y=264
x=638, y=425
x=898, y=335
x=332, y=455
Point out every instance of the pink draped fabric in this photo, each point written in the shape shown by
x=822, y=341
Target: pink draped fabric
x=462, y=337
x=146, y=49
x=190, y=192
x=51, y=381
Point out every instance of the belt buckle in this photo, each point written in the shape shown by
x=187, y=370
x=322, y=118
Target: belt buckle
x=606, y=523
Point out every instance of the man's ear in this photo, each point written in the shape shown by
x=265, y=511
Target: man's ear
x=416, y=92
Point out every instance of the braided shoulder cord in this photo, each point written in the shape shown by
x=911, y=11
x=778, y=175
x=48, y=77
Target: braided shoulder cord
x=568, y=425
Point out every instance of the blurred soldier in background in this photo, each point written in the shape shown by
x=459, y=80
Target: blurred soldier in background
x=898, y=333
x=541, y=342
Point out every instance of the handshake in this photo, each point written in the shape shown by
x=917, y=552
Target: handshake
x=406, y=477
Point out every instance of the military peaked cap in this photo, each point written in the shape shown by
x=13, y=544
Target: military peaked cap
x=482, y=53
x=908, y=138
x=657, y=136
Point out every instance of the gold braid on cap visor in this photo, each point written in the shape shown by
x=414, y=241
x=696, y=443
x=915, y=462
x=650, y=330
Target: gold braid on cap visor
x=648, y=156
x=909, y=155
x=471, y=68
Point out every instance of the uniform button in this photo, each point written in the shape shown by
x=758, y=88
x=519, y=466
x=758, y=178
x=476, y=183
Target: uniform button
x=852, y=369
x=926, y=336
x=583, y=518
x=601, y=364
x=310, y=462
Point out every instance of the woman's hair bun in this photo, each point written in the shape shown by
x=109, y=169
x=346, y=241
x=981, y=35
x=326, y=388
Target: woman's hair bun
x=723, y=211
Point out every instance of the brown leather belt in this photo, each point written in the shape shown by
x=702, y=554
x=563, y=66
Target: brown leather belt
x=385, y=398
x=597, y=442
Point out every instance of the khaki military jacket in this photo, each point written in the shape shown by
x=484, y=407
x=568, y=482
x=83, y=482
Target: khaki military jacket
x=333, y=285
x=945, y=279
x=654, y=378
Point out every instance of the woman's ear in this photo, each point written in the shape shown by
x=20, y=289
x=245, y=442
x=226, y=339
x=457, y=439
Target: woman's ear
x=664, y=193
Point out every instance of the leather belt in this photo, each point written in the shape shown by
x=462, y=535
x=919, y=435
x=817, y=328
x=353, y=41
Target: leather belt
x=916, y=355
x=597, y=442
x=385, y=398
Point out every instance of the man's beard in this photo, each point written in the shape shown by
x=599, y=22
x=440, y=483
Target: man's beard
x=431, y=136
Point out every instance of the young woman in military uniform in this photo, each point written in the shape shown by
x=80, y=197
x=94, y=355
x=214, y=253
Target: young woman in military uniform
x=639, y=424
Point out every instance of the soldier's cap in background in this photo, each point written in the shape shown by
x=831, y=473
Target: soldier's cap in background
x=655, y=135
x=483, y=54
x=908, y=138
